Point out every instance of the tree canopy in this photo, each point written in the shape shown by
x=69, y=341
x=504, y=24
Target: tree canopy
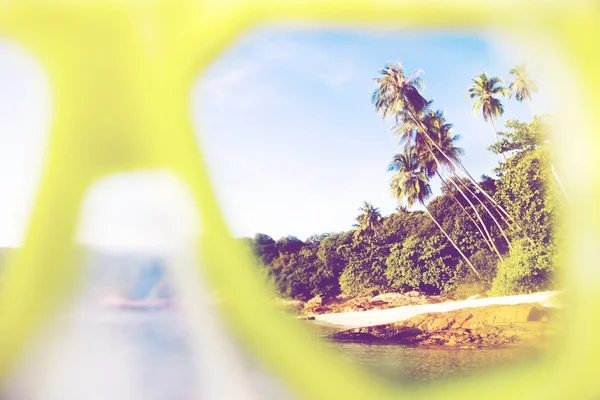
x=495, y=234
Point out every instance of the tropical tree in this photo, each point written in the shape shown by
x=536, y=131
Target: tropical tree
x=411, y=183
x=397, y=91
x=429, y=165
x=369, y=220
x=401, y=208
x=434, y=147
x=483, y=91
x=397, y=95
x=522, y=86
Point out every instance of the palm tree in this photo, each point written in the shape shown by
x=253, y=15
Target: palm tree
x=442, y=145
x=441, y=132
x=401, y=208
x=430, y=132
x=394, y=96
x=397, y=91
x=369, y=220
x=411, y=183
x=483, y=91
x=522, y=86
x=396, y=164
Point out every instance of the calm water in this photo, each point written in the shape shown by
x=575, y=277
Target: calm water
x=405, y=364
x=409, y=364
x=149, y=355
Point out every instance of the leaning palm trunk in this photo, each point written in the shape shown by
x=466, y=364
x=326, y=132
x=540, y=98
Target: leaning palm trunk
x=503, y=213
x=438, y=164
x=439, y=167
x=451, y=241
x=495, y=207
x=490, y=198
x=554, y=173
x=461, y=168
x=465, y=211
x=496, y=134
x=488, y=211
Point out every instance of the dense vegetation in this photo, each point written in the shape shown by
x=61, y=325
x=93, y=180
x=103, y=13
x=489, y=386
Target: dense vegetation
x=493, y=235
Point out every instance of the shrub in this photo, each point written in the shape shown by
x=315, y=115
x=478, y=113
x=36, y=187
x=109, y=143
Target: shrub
x=467, y=283
x=527, y=269
x=428, y=265
x=365, y=271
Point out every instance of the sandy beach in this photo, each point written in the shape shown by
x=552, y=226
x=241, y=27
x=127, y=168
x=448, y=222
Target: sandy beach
x=380, y=317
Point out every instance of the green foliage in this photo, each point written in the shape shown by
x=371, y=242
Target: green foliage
x=527, y=269
x=264, y=248
x=486, y=263
x=523, y=191
x=398, y=226
x=483, y=91
x=263, y=240
x=452, y=218
x=369, y=220
x=526, y=190
x=365, y=270
x=522, y=137
x=289, y=244
x=291, y=276
x=317, y=238
x=467, y=284
x=425, y=264
x=521, y=86
x=406, y=250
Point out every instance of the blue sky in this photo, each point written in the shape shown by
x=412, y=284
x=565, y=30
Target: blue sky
x=285, y=122
x=292, y=141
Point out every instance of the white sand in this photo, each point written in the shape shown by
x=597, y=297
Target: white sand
x=378, y=317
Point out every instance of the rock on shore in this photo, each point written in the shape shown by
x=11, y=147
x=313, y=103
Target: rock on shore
x=496, y=325
x=340, y=304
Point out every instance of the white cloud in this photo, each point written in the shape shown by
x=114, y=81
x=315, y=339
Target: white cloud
x=235, y=86
x=331, y=69
x=248, y=81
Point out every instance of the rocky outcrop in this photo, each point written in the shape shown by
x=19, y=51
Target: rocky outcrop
x=496, y=325
x=318, y=305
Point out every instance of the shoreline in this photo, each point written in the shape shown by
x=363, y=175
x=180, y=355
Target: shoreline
x=522, y=325
x=359, y=319
x=528, y=320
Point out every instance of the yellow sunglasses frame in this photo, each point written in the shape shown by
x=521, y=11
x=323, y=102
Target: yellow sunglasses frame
x=121, y=74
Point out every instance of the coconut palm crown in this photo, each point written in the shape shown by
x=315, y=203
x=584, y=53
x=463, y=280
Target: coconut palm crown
x=483, y=91
x=411, y=183
x=522, y=86
x=397, y=91
x=369, y=220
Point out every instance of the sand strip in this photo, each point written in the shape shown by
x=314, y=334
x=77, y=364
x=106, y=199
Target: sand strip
x=360, y=319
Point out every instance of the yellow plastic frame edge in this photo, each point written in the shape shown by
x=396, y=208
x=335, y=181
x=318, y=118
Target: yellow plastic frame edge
x=121, y=73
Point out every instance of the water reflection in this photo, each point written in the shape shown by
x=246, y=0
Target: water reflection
x=413, y=365
x=162, y=358
x=138, y=309
x=122, y=352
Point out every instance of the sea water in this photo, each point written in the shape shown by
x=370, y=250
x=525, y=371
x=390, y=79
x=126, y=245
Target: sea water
x=115, y=354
